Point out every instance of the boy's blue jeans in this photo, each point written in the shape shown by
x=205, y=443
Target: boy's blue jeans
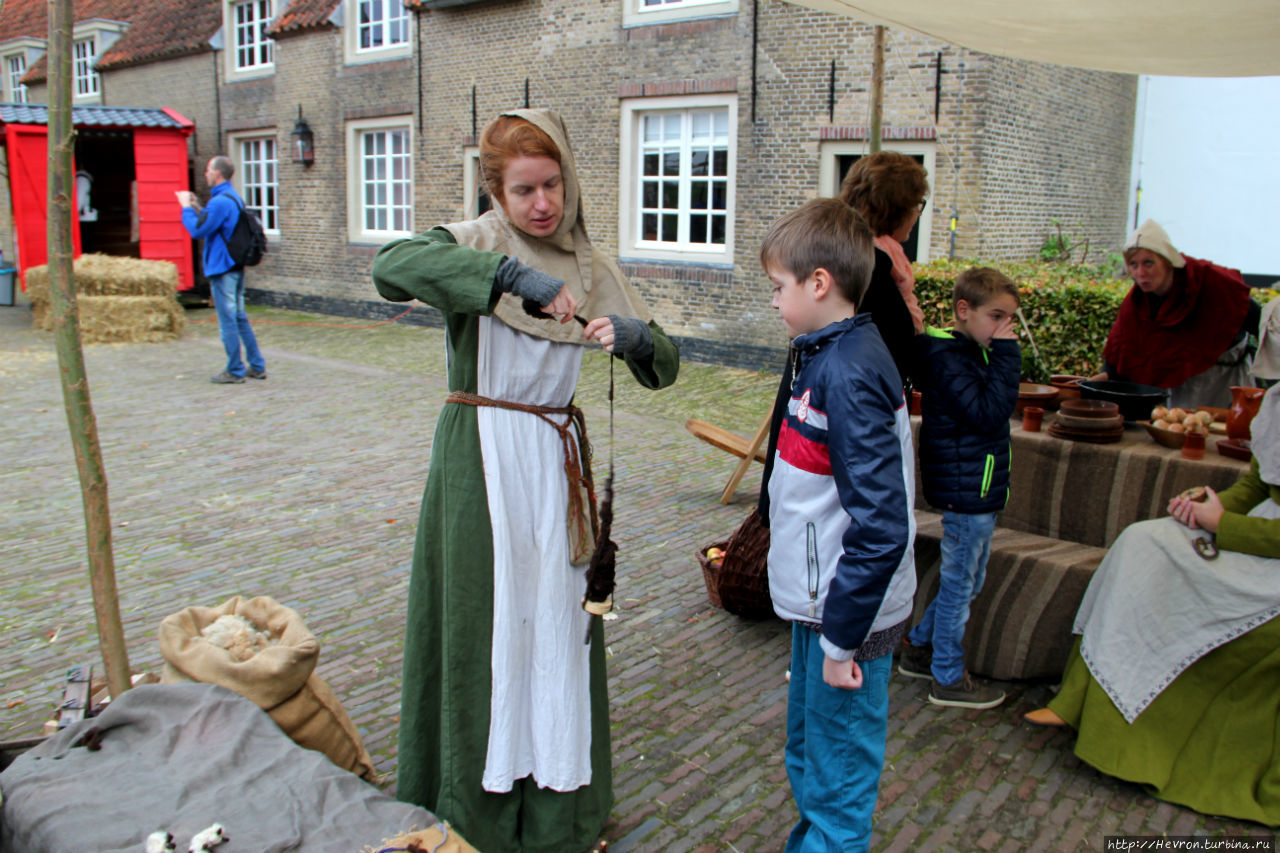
x=966, y=548
x=835, y=749
x=233, y=323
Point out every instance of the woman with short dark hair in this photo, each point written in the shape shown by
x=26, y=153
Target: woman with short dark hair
x=889, y=189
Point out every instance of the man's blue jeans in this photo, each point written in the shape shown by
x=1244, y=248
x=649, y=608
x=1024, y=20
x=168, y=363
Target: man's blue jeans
x=966, y=547
x=233, y=324
x=835, y=749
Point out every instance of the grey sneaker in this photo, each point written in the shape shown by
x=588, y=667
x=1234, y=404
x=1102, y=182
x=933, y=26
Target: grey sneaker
x=965, y=693
x=916, y=661
x=225, y=378
x=255, y=374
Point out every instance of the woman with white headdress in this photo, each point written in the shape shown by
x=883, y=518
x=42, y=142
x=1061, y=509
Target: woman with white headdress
x=1175, y=682
x=504, y=724
x=1185, y=326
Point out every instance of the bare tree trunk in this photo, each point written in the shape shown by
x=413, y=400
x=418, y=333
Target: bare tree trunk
x=66, y=332
x=877, y=90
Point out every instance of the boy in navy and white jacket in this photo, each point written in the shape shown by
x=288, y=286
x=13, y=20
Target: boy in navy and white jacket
x=842, y=530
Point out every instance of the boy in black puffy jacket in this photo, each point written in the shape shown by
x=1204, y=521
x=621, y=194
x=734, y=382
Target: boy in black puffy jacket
x=970, y=390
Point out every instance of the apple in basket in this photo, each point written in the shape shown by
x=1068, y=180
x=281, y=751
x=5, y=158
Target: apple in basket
x=715, y=556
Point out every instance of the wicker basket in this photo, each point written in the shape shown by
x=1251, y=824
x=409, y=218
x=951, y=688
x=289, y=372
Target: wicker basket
x=711, y=571
x=740, y=584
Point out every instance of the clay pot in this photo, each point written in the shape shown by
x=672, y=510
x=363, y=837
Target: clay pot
x=1244, y=405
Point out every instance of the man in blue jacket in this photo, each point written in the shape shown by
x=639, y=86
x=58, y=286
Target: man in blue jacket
x=214, y=225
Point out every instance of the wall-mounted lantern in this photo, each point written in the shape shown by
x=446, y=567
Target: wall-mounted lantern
x=304, y=142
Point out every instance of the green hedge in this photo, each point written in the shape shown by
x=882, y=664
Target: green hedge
x=1069, y=308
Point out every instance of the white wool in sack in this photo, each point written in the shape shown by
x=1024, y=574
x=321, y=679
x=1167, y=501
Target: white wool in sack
x=240, y=637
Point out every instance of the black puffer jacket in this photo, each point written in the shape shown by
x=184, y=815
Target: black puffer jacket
x=969, y=395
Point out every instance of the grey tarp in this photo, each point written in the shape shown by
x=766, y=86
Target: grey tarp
x=179, y=758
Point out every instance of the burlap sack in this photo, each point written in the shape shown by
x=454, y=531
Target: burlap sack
x=279, y=679
x=433, y=840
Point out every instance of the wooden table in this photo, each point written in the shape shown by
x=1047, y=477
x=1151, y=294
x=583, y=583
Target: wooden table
x=1068, y=502
x=1088, y=493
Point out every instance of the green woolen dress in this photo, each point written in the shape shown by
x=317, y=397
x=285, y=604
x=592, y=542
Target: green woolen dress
x=448, y=676
x=1211, y=739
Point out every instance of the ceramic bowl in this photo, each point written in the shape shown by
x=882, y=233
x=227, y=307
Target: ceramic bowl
x=1031, y=394
x=1166, y=437
x=1066, y=385
x=1135, y=401
x=1069, y=421
x=1089, y=408
x=1236, y=448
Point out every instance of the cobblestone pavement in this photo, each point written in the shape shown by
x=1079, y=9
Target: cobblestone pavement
x=305, y=487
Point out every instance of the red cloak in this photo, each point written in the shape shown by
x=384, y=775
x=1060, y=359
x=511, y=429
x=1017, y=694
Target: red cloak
x=1194, y=325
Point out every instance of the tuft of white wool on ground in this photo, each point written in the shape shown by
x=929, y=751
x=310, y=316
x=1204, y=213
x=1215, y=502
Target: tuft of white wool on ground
x=160, y=842
x=207, y=839
x=240, y=637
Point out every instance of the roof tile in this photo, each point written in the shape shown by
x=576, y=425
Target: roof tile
x=90, y=116
x=30, y=18
x=302, y=15
x=164, y=29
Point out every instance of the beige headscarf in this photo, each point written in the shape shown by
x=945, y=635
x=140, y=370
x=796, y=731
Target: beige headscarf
x=1150, y=236
x=593, y=278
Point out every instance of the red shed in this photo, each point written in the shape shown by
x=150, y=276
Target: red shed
x=128, y=163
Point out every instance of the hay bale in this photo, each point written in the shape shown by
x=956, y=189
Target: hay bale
x=38, y=284
x=135, y=319
x=108, y=275
x=122, y=319
x=119, y=299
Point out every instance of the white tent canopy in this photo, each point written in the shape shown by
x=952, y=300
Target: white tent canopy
x=1187, y=38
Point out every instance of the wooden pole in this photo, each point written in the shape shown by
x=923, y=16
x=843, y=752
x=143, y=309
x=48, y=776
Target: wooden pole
x=66, y=333
x=877, y=89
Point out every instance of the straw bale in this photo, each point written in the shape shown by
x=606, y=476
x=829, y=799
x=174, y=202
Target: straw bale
x=120, y=299
x=110, y=275
x=38, y=284
x=133, y=319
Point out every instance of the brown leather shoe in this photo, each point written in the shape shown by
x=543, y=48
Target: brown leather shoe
x=1043, y=717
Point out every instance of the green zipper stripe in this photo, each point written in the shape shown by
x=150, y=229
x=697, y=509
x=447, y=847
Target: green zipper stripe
x=988, y=472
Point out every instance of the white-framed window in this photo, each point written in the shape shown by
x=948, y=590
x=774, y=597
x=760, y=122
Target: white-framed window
x=251, y=50
x=380, y=178
x=257, y=178
x=835, y=158
x=383, y=23
x=376, y=30
x=676, y=196
x=638, y=13
x=15, y=65
x=85, y=78
x=474, y=194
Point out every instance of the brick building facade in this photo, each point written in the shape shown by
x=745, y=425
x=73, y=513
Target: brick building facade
x=754, y=106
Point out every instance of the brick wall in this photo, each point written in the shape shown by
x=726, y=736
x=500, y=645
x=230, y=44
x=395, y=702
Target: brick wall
x=1015, y=144
x=315, y=255
x=1055, y=144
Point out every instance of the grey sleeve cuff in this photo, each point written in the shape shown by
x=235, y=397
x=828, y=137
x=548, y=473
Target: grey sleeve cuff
x=526, y=282
x=631, y=337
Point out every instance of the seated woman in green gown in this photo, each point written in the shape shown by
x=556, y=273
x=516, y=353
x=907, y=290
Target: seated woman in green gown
x=1175, y=681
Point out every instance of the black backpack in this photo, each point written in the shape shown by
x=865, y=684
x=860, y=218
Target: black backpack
x=248, y=241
